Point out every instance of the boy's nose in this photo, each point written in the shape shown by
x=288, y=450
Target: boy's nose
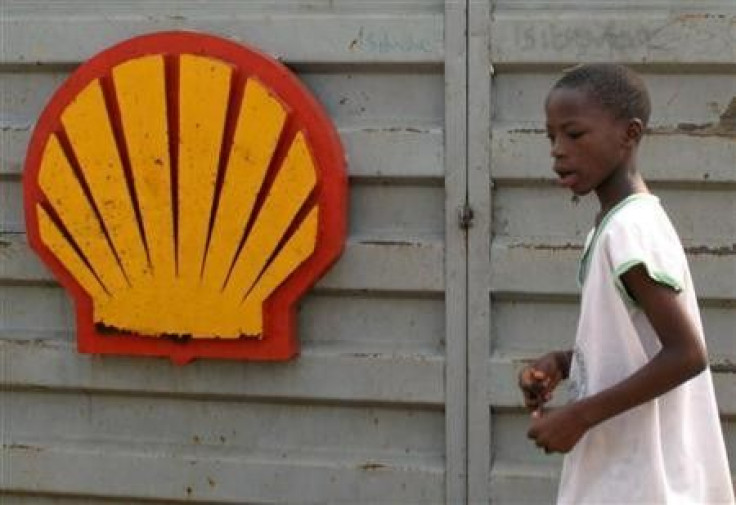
x=556, y=150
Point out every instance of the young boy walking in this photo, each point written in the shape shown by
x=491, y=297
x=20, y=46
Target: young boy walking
x=642, y=425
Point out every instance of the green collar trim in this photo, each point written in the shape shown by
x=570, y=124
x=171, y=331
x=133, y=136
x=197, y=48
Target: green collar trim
x=587, y=253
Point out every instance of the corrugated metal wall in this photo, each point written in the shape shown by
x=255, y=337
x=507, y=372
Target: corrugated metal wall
x=686, y=52
x=405, y=391
x=360, y=416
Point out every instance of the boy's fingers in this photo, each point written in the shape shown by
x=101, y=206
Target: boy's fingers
x=532, y=403
x=527, y=374
x=532, y=376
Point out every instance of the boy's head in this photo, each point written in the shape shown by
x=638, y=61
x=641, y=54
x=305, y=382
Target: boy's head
x=596, y=115
x=616, y=88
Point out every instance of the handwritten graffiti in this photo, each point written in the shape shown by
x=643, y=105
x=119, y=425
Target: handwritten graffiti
x=612, y=35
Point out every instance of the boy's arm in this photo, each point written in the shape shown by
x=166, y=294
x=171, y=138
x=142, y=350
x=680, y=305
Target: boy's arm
x=682, y=357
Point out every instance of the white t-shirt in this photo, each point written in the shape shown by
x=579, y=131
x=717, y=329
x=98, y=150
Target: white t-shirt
x=669, y=450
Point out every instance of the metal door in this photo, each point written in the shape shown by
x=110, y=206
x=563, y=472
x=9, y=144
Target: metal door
x=528, y=234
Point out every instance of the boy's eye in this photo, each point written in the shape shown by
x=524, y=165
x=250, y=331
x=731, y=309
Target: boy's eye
x=575, y=134
x=551, y=138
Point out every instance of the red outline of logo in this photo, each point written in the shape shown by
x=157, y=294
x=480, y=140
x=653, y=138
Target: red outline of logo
x=279, y=341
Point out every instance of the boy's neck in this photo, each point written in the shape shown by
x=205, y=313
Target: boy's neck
x=619, y=186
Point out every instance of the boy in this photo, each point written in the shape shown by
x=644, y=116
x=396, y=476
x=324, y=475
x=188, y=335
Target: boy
x=642, y=425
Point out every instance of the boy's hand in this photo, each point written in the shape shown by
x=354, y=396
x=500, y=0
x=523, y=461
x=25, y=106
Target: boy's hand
x=538, y=380
x=557, y=430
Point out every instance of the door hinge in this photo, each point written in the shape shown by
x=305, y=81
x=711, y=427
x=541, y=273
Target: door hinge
x=465, y=216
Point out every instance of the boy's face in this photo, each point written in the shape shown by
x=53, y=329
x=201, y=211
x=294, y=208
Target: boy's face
x=588, y=143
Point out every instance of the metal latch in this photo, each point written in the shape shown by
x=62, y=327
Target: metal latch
x=465, y=216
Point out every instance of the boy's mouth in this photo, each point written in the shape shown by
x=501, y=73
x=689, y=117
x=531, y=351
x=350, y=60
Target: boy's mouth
x=567, y=178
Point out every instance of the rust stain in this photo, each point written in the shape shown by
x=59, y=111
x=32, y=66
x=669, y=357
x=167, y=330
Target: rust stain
x=366, y=355
x=390, y=243
x=22, y=447
x=548, y=247
x=15, y=128
x=726, y=366
x=395, y=129
x=371, y=466
x=698, y=130
x=715, y=251
x=35, y=342
x=528, y=130
x=699, y=16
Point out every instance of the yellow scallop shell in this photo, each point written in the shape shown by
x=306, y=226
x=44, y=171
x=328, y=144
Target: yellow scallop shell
x=191, y=251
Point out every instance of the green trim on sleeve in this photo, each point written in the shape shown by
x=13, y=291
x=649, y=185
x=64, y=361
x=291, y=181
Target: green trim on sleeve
x=658, y=277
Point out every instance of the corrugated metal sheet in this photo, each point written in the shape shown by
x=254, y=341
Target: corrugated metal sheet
x=360, y=416
x=405, y=390
x=686, y=52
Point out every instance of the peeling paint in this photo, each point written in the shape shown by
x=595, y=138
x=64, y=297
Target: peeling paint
x=728, y=118
x=725, y=127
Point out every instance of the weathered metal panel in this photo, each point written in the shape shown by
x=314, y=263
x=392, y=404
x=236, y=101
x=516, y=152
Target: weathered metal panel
x=337, y=32
x=686, y=53
x=405, y=390
x=221, y=449
x=373, y=410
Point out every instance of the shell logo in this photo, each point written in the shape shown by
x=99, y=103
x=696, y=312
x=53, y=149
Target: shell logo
x=187, y=191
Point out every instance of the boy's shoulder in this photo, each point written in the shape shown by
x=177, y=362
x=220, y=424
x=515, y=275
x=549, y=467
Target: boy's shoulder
x=642, y=219
x=640, y=211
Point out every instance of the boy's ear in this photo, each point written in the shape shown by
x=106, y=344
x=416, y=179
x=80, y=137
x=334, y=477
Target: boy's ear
x=634, y=130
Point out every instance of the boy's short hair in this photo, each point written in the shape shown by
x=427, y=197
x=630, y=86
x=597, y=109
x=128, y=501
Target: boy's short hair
x=619, y=89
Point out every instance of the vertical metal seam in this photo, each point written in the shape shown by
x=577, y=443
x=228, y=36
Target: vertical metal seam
x=468, y=205
x=456, y=187
x=4, y=359
x=478, y=250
